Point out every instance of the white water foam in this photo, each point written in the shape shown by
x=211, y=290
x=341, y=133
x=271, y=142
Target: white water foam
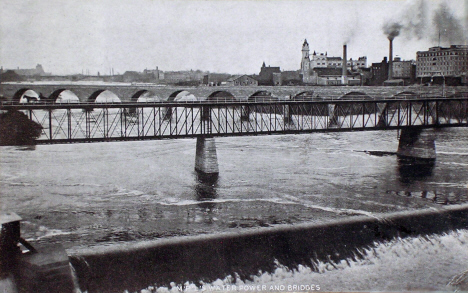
x=436, y=262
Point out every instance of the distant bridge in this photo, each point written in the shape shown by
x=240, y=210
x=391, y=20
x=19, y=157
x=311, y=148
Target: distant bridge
x=85, y=93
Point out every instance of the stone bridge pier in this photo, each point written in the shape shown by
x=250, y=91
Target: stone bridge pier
x=206, y=159
x=416, y=143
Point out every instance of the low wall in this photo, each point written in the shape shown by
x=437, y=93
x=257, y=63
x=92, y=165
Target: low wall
x=209, y=257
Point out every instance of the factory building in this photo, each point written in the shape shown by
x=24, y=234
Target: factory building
x=440, y=64
x=241, y=80
x=310, y=67
x=404, y=70
x=266, y=76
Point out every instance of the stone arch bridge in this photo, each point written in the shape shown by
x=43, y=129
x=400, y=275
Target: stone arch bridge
x=128, y=92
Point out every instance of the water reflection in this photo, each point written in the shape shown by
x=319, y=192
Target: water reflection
x=205, y=191
x=205, y=187
x=414, y=169
x=26, y=147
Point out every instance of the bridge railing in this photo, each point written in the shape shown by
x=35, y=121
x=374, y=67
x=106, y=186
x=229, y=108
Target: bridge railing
x=87, y=122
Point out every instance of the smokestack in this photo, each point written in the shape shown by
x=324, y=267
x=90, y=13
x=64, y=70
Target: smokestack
x=345, y=61
x=390, y=59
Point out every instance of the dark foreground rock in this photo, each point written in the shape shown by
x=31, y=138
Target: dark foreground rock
x=17, y=129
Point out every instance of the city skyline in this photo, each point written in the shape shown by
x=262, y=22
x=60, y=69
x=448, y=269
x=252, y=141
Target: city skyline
x=236, y=37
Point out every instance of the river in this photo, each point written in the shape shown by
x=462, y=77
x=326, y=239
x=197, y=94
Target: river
x=82, y=195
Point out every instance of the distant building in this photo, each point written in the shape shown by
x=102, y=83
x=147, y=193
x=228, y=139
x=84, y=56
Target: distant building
x=134, y=76
x=404, y=70
x=379, y=72
x=156, y=73
x=38, y=71
x=321, y=60
x=10, y=75
x=446, y=63
x=266, y=74
x=215, y=79
x=183, y=76
x=29, y=73
x=291, y=78
x=333, y=76
x=242, y=80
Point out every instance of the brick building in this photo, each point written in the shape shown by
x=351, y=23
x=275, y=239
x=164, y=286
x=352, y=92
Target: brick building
x=440, y=64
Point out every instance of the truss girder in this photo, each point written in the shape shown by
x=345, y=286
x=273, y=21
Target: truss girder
x=101, y=122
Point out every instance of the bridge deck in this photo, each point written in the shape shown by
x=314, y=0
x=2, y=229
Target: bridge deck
x=93, y=122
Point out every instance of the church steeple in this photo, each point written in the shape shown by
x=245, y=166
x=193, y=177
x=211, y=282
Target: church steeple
x=305, y=50
x=305, y=62
x=263, y=65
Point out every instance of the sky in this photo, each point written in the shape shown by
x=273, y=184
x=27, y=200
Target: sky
x=75, y=36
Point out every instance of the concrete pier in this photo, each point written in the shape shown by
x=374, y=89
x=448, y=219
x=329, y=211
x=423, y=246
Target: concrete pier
x=245, y=113
x=205, y=113
x=287, y=115
x=417, y=143
x=332, y=119
x=166, y=113
x=206, y=160
x=383, y=115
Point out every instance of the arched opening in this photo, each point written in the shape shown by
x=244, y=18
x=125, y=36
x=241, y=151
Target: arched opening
x=221, y=96
x=346, y=113
x=145, y=96
x=217, y=97
x=308, y=109
x=181, y=96
x=103, y=96
x=26, y=96
x=305, y=96
x=64, y=96
x=356, y=96
x=262, y=96
x=178, y=96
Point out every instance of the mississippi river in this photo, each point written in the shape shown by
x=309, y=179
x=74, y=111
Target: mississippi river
x=82, y=195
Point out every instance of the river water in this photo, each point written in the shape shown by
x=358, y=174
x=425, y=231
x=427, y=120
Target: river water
x=83, y=195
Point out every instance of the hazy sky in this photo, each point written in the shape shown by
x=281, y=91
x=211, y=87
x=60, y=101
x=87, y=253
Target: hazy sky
x=68, y=36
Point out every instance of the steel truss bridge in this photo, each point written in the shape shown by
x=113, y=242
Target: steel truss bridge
x=94, y=122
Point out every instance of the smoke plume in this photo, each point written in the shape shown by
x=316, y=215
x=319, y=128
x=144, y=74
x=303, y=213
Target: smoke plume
x=415, y=23
x=447, y=27
x=392, y=29
x=416, y=18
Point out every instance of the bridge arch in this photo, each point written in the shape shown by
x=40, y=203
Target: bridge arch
x=262, y=96
x=221, y=96
x=356, y=96
x=345, y=110
x=63, y=96
x=103, y=96
x=26, y=95
x=181, y=95
x=143, y=96
x=305, y=96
